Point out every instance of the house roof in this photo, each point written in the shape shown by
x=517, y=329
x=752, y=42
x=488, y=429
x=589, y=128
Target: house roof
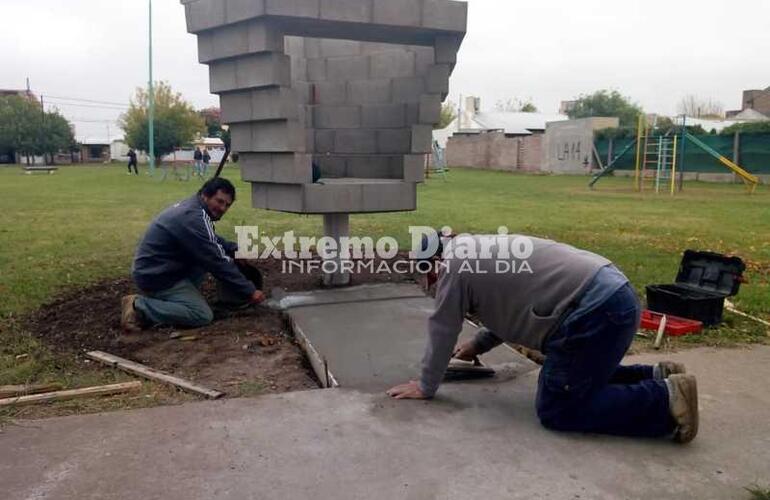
x=93, y=141
x=515, y=123
x=750, y=115
x=209, y=141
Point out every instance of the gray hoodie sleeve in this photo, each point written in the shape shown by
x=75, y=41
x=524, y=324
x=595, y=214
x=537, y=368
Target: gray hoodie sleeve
x=485, y=340
x=444, y=327
x=198, y=237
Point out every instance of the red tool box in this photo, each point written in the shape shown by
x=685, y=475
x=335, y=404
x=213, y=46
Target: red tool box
x=675, y=326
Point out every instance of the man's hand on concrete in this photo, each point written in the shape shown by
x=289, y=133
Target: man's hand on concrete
x=466, y=351
x=410, y=390
x=257, y=297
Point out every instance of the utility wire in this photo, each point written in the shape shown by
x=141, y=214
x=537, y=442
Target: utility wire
x=79, y=120
x=77, y=99
x=87, y=105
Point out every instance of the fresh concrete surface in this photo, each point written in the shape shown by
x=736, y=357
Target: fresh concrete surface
x=354, y=334
x=474, y=441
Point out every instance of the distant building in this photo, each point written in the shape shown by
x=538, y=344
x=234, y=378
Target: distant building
x=566, y=106
x=472, y=120
x=498, y=140
x=758, y=100
x=754, y=100
x=94, y=150
x=214, y=145
x=19, y=93
x=119, y=152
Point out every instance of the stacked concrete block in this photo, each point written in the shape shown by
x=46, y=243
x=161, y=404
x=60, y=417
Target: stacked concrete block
x=352, y=86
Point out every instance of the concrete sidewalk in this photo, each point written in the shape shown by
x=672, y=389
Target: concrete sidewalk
x=475, y=441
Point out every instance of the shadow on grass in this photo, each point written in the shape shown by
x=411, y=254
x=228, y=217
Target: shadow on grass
x=758, y=493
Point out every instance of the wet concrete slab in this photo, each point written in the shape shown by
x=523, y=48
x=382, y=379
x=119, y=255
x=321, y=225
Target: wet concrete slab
x=373, y=337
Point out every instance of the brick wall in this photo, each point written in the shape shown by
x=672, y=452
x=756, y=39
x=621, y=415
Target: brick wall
x=495, y=151
x=758, y=100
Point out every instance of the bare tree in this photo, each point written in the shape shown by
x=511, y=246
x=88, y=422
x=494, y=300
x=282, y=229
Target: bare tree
x=516, y=105
x=698, y=107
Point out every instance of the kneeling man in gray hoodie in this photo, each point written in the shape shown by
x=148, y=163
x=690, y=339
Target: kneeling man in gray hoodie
x=575, y=307
x=179, y=248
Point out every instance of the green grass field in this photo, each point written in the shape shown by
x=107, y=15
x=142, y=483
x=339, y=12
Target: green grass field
x=81, y=225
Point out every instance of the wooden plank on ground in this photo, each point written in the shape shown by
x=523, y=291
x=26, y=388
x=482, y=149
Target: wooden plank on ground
x=11, y=391
x=152, y=374
x=102, y=390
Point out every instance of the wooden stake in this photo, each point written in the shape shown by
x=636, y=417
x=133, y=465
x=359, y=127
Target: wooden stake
x=12, y=391
x=102, y=390
x=731, y=307
x=152, y=374
x=661, y=331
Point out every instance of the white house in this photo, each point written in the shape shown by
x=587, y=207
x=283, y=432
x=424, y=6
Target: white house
x=472, y=120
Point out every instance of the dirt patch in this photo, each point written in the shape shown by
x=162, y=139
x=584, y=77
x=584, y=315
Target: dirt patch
x=244, y=353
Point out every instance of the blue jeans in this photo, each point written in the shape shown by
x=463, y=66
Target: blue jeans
x=582, y=386
x=181, y=305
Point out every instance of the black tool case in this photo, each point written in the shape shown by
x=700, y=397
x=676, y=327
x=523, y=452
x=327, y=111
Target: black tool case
x=703, y=282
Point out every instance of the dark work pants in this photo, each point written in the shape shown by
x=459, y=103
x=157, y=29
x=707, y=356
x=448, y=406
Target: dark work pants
x=133, y=164
x=582, y=386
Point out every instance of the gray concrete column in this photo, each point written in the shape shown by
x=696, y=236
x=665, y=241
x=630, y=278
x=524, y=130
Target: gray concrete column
x=337, y=226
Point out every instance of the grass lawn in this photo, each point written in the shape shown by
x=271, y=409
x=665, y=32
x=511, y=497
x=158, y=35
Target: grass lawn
x=81, y=225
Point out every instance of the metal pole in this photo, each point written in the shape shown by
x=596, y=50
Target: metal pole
x=42, y=125
x=151, y=96
x=638, y=165
x=681, y=153
x=673, y=167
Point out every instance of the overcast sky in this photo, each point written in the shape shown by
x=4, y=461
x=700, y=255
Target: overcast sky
x=654, y=51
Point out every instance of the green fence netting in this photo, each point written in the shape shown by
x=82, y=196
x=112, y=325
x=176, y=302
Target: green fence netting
x=754, y=153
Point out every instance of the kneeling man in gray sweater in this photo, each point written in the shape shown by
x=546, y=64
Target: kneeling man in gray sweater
x=179, y=248
x=580, y=311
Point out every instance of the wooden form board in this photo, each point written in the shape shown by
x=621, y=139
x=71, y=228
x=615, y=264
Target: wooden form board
x=12, y=391
x=152, y=374
x=102, y=390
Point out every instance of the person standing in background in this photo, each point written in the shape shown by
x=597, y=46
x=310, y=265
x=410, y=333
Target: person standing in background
x=132, y=161
x=198, y=160
x=206, y=160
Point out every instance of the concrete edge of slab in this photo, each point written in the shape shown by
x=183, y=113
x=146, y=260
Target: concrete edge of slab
x=317, y=362
x=385, y=291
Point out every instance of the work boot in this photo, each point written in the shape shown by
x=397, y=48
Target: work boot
x=683, y=405
x=130, y=319
x=665, y=369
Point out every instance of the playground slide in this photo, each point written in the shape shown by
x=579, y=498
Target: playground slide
x=749, y=178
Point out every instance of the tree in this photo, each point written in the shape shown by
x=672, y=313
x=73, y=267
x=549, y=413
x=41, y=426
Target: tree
x=26, y=129
x=448, y=114
x=213, y=119
x=176, y=121
x=748, y=128
x=56, y=136
x=516, y=105
x=697, y=107
x=606, y=103
x=18, y=120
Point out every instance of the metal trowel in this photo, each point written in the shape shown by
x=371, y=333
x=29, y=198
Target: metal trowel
x=459, y=369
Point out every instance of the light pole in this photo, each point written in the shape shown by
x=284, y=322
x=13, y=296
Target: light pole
x=151, y=105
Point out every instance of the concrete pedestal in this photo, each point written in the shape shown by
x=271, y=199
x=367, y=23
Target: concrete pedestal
x=337, y=226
